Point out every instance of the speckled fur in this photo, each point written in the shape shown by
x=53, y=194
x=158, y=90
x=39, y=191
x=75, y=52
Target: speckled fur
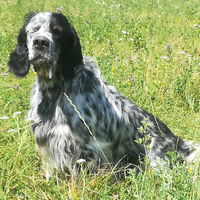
x=114, y=120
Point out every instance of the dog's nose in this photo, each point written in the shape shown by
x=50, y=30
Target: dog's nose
x=41, y=43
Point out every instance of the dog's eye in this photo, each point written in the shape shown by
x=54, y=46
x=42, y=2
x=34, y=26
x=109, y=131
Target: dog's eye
x=35, y=29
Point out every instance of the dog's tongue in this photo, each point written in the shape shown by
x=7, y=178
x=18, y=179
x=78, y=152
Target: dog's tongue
x=50, y=72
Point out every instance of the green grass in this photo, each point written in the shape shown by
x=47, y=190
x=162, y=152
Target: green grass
x=166, y=83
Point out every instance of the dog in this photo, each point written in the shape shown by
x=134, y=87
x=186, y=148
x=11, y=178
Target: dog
x=75, y=115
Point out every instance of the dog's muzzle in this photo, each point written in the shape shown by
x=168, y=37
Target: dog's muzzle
x=42, y=57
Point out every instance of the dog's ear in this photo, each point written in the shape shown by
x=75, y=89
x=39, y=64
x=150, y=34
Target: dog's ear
x=73, y=62
x=71, y=55
x=19, y=63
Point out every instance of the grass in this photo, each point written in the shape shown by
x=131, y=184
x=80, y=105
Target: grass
x=150, y=51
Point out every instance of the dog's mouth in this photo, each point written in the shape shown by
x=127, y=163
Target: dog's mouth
x=42, y=65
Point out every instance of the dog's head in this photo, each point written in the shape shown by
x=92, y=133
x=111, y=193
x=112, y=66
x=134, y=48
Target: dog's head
x=50, y=44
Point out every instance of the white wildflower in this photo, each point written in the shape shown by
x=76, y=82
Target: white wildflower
x=81, y=161
x=11, y=130
x=4, y=117
x=164, y=57
x=17, y=113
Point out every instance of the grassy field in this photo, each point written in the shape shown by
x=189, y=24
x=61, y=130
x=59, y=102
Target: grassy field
x=150, y=51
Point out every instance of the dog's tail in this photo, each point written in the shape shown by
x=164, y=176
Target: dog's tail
x=194, y=154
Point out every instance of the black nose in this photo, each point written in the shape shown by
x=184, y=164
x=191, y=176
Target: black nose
x=41, y=43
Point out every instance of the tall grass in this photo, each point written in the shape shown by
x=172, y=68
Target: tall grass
x=150, y=51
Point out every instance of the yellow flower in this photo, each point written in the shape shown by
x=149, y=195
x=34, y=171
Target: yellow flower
x=190, y=169
x=112, y=69
x=34, y=73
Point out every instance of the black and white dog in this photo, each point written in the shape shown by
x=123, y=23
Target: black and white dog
x=50, y=43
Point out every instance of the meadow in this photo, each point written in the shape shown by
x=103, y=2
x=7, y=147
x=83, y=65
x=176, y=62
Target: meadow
x=150, y=51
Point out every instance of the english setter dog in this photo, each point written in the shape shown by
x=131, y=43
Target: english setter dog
x=106, y=127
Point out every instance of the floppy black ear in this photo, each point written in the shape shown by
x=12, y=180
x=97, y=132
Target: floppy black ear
x=71, y=55
x=19, y=63
x=73, y=63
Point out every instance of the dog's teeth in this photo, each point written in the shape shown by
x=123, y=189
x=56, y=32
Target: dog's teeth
x=50, y=72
